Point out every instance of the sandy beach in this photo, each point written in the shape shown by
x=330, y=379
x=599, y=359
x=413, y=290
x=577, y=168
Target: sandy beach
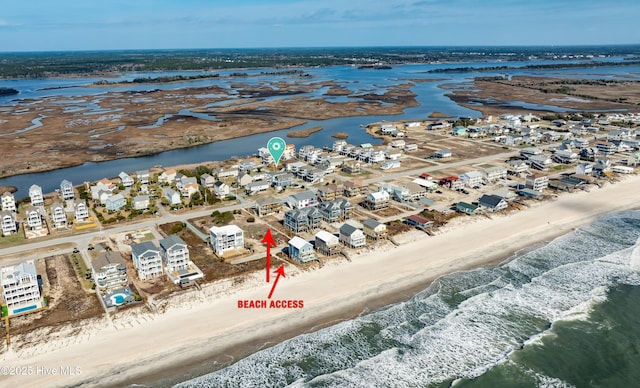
x=207, y=324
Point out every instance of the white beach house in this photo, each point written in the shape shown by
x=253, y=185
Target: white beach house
x=226, y=238
x=35, y=194
x=146, y=259
x=20, y=288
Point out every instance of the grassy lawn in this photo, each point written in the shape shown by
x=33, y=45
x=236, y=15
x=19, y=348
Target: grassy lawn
x=561, y=167
x=12, y=239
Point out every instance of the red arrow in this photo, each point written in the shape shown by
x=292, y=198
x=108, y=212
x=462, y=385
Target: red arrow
x=268, y=238
x=280, y=272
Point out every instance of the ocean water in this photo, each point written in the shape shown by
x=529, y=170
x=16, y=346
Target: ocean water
x=565, y=314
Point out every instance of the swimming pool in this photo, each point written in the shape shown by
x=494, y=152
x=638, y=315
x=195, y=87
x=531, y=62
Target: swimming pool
x=117, y=299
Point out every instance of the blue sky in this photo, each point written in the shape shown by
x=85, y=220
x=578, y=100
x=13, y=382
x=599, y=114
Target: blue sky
x=36, y=25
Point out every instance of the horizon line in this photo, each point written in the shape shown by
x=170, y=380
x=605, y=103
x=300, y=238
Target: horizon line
x=549, y=46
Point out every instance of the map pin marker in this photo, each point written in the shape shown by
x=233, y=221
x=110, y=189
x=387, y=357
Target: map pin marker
x=276, y=146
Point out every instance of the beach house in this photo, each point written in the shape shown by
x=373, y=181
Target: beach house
x=221, y=189
x=327, y=243
x=517, y=167
x=328, y=192
x=58, y=215
x=268, y=205
x=8, y=221
x=66, y=190
x=471, y=178
x=189, y=189
x=177, y=264
x=442, y=154
x=115, y=202
x=257, y=187
x=537, y=182
x=34, y=219
x=494, y=173
x=172, y=196
x=418, y=221
x=354, y=188
x=377, y=200
x=109, y=271
x=301, y=250
x=451, y=182
x=207, y=180
x=142, y=176
x=146, y=259
x=301, y=200
x=282, y=180
x=141, y=202
x=8, y=202
x=466, y=208
x=167, y=176
x=222, y=173
x=352, y=167
x=302, y=220
x=35, y=194
x=82, y=212
x=374, y=230
x=244, y=179
x=492, y=202
x=351, y=236
x=125, y=179
x=20, y=288
x=336, y=210
x=226, y=238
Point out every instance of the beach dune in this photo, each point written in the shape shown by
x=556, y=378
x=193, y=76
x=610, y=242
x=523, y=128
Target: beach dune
x=141, y=351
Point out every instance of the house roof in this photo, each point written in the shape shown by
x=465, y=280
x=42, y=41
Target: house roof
x=171, y=240
x=303, y=213
x=490, y=200
x=327, y=237
x=141, y=248
x=419, y=219
x=354, y=183
x=379, y=196
x=348, y=230
x=105, y=258
x=139, y=198
x=466, y=206
x=170, y=192
x=266, y=201
x=257, y=184
x=305, y=195
x=472, y=174
x=115, y=197
x=298, y=242
x=226, y=229
x=328, y=188
x=371, y=223
x=219, y=184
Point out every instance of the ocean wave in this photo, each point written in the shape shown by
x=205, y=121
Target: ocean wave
x=461, y=326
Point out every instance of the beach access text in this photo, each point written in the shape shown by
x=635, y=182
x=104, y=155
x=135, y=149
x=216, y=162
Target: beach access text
x=270, y=304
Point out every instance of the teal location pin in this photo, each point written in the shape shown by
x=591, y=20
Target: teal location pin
x=276, y=146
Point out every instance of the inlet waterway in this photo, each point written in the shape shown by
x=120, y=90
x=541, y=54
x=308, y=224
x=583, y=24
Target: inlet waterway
x=430, y=95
